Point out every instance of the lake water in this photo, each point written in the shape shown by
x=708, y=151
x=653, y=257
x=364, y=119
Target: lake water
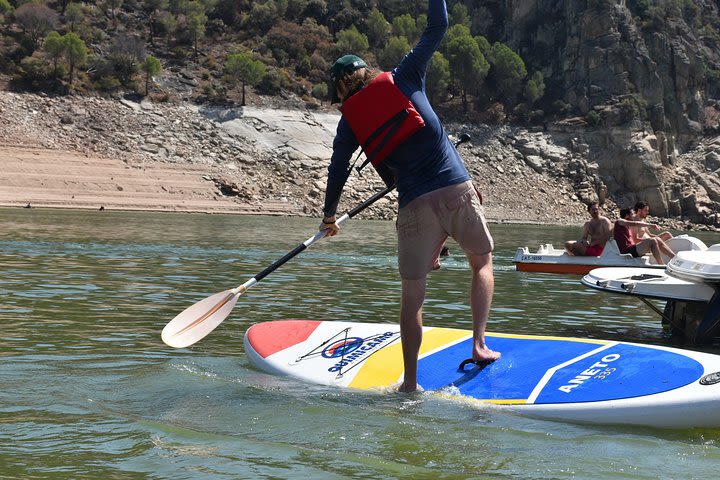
x=88, y=389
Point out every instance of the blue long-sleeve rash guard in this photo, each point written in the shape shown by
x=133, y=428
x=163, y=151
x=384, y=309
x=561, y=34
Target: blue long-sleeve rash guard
x=427, y=160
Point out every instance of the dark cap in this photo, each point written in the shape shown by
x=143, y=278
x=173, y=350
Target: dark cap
x=343, y=66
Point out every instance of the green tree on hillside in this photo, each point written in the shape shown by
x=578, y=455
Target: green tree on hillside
x=352, y=41
x=343, y=15
x=295, y=9
x=75, y=52
x=484, y=45
x=196, y=20
x=639, y=7
x=453, y=32
x=317, y=10
x=262, y=17
x=459, y=15
x=437, y=79
x=151, y=66
x=54, y=47
x=241, y=67
x=394, y=8
x=320, y=91
x=396, y=49
x=378, y=28
x=405, y=26
x=534, y=88
x=507, y=72
x=5, y=9
x=74, y=14
x=468, y=65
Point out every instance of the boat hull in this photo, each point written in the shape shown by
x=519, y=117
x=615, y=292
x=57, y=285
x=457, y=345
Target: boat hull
x=647, y=283
x=548, y=259
x=570, y=268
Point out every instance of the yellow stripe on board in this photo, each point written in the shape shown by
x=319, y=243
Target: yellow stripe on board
x=475, y=401
x=542, y=337
x=384, y=367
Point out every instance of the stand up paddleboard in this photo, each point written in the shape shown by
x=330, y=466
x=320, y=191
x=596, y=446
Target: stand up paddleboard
x=581, y=380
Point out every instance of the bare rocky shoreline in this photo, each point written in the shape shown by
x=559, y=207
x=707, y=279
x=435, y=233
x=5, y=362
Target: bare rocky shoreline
x=90, y=152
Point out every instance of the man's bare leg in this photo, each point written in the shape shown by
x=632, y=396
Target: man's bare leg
x=481, y=293
x=650, y=245
x=665, y=249
x=413, y=296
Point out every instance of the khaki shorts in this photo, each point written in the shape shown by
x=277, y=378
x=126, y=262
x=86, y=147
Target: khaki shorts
x=425, y=223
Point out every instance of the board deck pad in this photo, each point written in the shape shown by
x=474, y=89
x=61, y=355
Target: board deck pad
x=579, y=379
x=526, y=361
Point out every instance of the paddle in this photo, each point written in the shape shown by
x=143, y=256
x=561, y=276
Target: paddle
x=197, y=321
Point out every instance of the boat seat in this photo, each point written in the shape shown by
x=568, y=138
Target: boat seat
x=611, y=249
x=681, y=243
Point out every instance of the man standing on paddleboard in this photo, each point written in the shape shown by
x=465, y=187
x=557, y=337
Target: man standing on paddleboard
x=389, y=115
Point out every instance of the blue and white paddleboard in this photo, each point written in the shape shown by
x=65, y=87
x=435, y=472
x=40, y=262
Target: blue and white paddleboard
x=572, y=379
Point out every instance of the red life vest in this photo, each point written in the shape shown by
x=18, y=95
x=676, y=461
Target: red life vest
x=381, y=117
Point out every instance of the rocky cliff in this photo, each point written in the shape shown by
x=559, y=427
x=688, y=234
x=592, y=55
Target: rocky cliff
x=642, y=81
x=597, y=51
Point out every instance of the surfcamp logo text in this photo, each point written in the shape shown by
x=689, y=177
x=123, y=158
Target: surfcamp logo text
x=597, y=370
x=354, y=349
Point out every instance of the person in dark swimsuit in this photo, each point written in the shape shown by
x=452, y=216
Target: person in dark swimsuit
x=624, y=239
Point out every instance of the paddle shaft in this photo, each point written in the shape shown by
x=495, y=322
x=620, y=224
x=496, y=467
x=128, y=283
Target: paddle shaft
x=281, y=261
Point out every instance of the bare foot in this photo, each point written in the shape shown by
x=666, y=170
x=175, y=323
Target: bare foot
x=406, y=388
x=485, y=355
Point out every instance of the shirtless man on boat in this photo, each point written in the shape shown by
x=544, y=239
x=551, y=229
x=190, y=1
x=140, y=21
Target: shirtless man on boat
x=638, y=234
x=596, y=232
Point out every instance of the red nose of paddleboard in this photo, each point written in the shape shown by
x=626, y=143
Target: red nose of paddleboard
x=271, y=337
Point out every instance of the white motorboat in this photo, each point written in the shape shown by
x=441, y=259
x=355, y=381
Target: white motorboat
x=548, y=259
x=690, y=285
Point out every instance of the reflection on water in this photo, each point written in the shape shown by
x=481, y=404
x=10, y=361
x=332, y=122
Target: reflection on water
x=89, y=389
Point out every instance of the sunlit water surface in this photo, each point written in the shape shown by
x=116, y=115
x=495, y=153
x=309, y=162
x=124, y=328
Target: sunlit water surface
x=90, y=391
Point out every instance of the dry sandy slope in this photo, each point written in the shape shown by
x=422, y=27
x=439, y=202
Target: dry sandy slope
x=87, y=152
x=62, y=179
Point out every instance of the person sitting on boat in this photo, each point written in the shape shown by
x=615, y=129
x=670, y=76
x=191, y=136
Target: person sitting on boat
x=596, y=232
x=642, y=210
x=623, y=237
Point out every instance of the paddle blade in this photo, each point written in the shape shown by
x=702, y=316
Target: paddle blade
x=197, y=321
